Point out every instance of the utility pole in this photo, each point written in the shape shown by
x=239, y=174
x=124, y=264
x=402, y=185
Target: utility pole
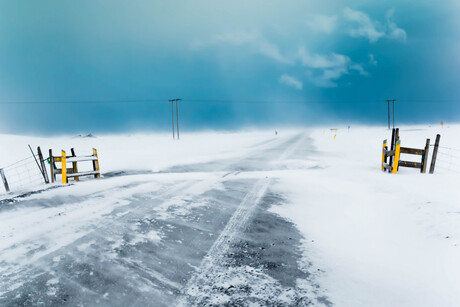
x=177, y=116
x=388, y=103
x=172, y=116
x=393, y=112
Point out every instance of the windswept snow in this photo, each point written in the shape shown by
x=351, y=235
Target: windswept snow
x=381, y=239
x=247, y=218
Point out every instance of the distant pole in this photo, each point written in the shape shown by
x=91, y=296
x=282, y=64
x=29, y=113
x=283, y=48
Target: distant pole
x=177, y=116
x=388, y=103
x=394, y=112
x=172, y=116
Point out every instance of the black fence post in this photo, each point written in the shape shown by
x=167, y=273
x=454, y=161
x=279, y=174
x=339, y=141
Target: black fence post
x=425, y=156
x=392, y=145
x=42, y=163
x=435, y=153
x=52, y=173
x=5, y=182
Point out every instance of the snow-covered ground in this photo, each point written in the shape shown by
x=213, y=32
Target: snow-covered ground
x=380, y=239
x=299, y=218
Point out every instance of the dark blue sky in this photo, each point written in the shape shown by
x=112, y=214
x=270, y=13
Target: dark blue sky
x=234, y=64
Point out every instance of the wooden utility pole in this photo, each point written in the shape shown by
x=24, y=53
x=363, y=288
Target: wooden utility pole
x=172, y=117
x=177, y=116
x=394, y=112
x=388, y=104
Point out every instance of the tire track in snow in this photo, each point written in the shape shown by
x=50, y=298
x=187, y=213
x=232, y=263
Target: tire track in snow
x=292, y=148
x=215, y=256
x=220, y=247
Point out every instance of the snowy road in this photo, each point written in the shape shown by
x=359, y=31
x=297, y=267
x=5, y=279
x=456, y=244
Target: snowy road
x=191, y=234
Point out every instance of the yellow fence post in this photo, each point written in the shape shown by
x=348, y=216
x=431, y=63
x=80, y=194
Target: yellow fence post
x=63, y=167
x=384, y=156
x=96, y=163
x=397, y=154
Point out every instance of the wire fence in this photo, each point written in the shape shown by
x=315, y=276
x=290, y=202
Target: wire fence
x=23, y=175
x=448, y=160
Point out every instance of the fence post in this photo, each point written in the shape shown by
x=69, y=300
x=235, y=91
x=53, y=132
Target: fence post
x=425, y=156
x=42, y=163
x=435, y=153
x=397, y=154
x=384, y=156
x=96, y=163
x=5, y=182
x=42, y=171
x=52, y=174
x=392, y=145
x=74, y=164
x=63, y=166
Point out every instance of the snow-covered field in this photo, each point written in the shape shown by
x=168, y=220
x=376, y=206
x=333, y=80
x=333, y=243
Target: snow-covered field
x=298, y=218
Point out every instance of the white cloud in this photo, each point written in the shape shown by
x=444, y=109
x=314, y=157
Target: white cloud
x=272, y=51
x=373, y=30
x=322, y=23
x=252, y=40
x=366, y=27
x=326, y=69
x=323, y=70
x=393, y=31
x=290, y=81
x=328, y=77
x=359, y=68
x=322, y=61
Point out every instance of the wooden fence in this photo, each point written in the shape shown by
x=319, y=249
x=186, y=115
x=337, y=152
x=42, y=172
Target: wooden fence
x=72, y=172
x=391, y=157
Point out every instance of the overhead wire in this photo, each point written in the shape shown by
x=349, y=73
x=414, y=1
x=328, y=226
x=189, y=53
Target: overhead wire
x=217, y=100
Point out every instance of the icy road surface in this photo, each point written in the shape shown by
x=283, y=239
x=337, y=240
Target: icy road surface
x=195, y=234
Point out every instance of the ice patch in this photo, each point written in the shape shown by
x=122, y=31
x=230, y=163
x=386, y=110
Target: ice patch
x=246, y=285
x=51, y=284
x=152, y=236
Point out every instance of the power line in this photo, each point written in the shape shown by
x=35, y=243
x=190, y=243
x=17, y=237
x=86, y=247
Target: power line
x=196, y=100
x=114, y=101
